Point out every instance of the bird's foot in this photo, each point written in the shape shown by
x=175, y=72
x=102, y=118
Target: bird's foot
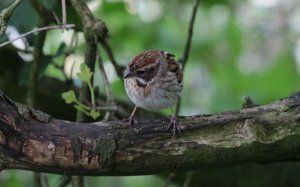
x=132, y=121
x=173, y=124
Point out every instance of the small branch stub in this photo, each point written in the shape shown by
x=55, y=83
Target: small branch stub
x=248, y=102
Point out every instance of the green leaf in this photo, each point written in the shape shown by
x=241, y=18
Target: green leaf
x=94, y=114
x=85, y=73
x=81, y=109
x=69, y=96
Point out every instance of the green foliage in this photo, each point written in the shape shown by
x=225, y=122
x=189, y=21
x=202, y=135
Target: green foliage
x=85, y=75
x=69, y=97
x=94, y=114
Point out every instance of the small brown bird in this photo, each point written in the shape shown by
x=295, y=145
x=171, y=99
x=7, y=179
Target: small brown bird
x=153, y=81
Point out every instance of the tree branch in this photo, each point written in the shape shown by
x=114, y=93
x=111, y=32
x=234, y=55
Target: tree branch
x=118, y=68
x=98, y=29
x=32, y=140
x=187, y=47
x=5, y=15
x=47, y=28
x=46, y=15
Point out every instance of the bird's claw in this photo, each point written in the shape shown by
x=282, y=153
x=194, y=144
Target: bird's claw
x=173, y=124
x=132, y=121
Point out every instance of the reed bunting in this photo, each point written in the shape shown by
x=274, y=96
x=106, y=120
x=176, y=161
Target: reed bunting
x=153, y=81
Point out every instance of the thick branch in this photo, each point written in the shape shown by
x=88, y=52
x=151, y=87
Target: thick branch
x=32, y=140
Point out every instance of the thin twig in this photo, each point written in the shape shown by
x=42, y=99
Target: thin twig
x=187, y=47
x=37, y=181
x=120, y=109
x=34, y=71
x=170, y=178
x=65, y=181
x=68, y=26
x=119, y=69
x=56, y=18
x=188, y=178
x=64, y=12
x=77, y=181
x=112, y=108
x=45, y=179
x=108, y=92
x=70, y=50
x=5, y=15
x=44, y=13
x=107, y=86
x=73, y=43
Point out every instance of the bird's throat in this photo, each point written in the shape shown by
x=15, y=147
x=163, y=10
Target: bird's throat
x=141, y=84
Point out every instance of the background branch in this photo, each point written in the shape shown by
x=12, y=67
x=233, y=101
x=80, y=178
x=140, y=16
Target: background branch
x=108, y=93
x=65, y=180
x=187, y=47
x=46, y=28
x=34, y=73
x=32, y=85
x=45, y=14
x=119, y=69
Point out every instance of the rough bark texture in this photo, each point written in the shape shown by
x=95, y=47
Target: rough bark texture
x=32, y=140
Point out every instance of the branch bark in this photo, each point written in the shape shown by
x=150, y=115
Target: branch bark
x=32, y=140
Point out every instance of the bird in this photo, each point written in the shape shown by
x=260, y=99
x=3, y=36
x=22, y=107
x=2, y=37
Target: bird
x=153, y=80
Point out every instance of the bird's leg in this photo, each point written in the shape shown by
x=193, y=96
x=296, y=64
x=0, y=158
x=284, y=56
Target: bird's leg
x=173, y=124
x=132, y=120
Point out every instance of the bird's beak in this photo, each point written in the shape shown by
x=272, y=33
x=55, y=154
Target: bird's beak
x=128, y=74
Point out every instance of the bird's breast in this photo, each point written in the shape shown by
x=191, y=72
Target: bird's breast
x=153, y=96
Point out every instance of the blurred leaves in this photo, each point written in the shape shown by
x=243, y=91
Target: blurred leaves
x=69, y=97
x=47, y=60
x=85, y=75
x=94, y=114
x=238, y=49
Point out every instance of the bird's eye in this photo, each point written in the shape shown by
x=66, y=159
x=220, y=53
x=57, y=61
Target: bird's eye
x=141, y=72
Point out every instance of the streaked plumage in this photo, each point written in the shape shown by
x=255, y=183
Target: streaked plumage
x=156, y=82
x=153, y=81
